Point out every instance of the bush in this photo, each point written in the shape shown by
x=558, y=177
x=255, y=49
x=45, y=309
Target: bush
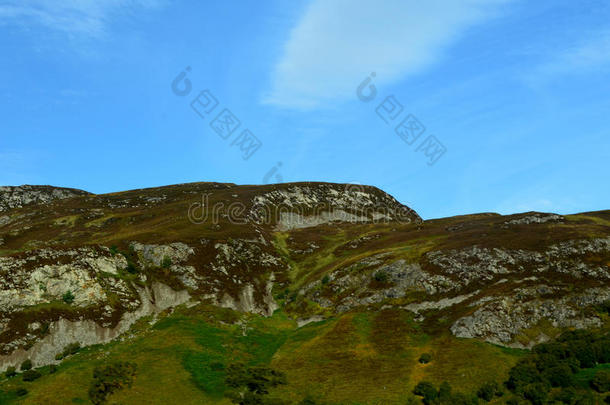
x=21, y=392
x=26, y=365
x=72, y=348
x=166, y=262
x=488, y=391
x=31, y=375
x=425, y=358
x=249, y=385
x=381, y=277
x=325, y=279
x=426, y=390
x=110, y=378
x=10, y=372
x=52, y=369
x=601, y=381
x=68, y=297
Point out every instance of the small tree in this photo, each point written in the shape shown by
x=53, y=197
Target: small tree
x=425, y=358
x=21, y=392
x=601, y=381
x=426, y=390
x=488, y=391
x=10, y=372
x=26, y=365
x=31, y=375
x=166, y=263
x=381, y=277
x=68, y=297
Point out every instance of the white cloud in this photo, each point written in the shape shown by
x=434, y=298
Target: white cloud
x=337, y=43
x=81, y=17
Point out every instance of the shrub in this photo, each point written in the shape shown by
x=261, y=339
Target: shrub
x=444, y=393
x=59, y=356
x=26, y=365
x=559, y=376
x=21, y=392
x=381, y=277
x=31, y=375
x=425, y=358
x=10, y=372
x=249, y=385
x=426, y=390
x=536, y=393
x=131, y=267
x=601, y=381
x=166, y=262
x=110, y=378
x=325, y=279
x=68, y=297
x=72, y=348
x=52, y=369
x=488, y=391
x=114, y=250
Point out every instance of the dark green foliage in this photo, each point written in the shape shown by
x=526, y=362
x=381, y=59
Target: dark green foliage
x=554, y=365
x=52, y=369
x=131, y=267
x=425, y=358
x=166, y=262
x=488, y=391
x=114, y=250
x=601, y=381
x=110, y=378
x=325, y=279
x=72, y=348
x=559, y=376
x=381, y=277
x=21, y=392
x=31, y=375
x=426, y=390
x=26, y=365
x=444, y=392
x=249, y=385
x=536, y=393
x=10, y=372
x=442, y=396
x=68, y=297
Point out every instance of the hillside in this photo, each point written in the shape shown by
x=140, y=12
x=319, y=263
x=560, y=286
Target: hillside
x=338, y=288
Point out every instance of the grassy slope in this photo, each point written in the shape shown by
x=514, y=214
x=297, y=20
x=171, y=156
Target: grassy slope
x=356, y=358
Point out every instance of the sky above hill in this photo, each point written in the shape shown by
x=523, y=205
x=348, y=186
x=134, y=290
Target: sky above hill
x=452, y=106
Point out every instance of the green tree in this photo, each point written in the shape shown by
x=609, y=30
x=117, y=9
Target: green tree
x=488, y=391
x=425, y=358
x=601, y=381
x=31, y=375
x=426, y=390
x=10, y=372
x=110, y=378
x=26, y=365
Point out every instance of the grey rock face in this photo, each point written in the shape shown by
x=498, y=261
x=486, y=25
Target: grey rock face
x=19, y=196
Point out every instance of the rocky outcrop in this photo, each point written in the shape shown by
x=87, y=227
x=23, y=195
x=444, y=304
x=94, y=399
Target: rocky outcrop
x=20, y=196
x=88, y=332
x=501, y=319
x=308, y=205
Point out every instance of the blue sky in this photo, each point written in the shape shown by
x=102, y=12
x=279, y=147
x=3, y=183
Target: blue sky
x=515, y=91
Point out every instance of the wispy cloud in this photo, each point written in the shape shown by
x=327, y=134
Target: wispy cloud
x=339, y=42
x=582, y=56
x=78, y=17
